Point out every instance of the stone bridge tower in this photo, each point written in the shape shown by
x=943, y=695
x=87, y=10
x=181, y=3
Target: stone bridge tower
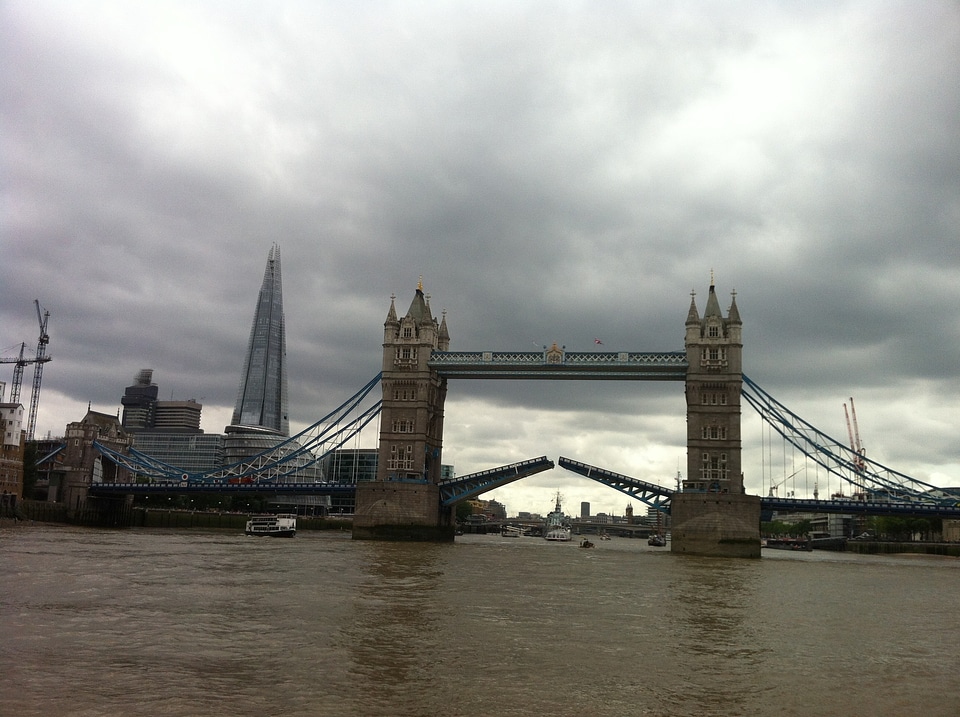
x=403, y=503
x=714, y=347
x=712, y=515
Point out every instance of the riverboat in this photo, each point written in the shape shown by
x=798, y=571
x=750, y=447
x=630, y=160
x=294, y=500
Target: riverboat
x=788, y=544
x=557, y=526
x=282, y=525
x=657, y=541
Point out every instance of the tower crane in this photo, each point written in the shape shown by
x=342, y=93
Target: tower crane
x=42, y=317
x=19, y=363
x=774, y=487
x=853, y=432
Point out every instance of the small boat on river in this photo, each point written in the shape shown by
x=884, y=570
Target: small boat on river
x=657, y=541
x=557, y=526
x=788, y=544
x=282, y=525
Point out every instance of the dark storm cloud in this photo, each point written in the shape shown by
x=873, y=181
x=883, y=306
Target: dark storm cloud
x=555, y=174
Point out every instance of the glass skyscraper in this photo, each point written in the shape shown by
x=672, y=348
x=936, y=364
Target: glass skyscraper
x=262, y=399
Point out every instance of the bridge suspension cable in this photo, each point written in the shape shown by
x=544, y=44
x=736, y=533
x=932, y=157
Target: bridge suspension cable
x=875, y=480
x=293, y=459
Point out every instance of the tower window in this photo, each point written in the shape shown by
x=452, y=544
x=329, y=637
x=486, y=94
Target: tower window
x=713, y=332
x=403, y=425
x=714, y=433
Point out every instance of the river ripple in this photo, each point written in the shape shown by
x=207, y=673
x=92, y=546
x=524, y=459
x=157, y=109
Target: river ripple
x=164, y=622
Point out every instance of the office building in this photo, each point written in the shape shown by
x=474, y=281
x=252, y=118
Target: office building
x=262, y=398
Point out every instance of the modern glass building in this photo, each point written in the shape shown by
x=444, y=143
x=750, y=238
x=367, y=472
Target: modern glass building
x=191, y=452
x=350, y=465
x=262, y=398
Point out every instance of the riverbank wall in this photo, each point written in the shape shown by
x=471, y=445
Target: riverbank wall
x=879, y=547
x=134, y=517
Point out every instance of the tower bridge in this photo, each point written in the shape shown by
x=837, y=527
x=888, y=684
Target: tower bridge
x=405, y=500
x=409, y=499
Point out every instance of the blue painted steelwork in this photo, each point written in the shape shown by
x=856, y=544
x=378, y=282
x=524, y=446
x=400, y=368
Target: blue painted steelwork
x=652, y=494
x=185, y=487
x=858, y=507
x=560, y=364
x=286, y=462
x=867, y=476
x=50, y=455
x=456, y=489
x=276, y=470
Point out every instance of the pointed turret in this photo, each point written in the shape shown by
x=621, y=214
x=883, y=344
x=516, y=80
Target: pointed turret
x=734, y=324
x=713, y=305
x=418, y=307
x=391, y=326
x=693, y=316
x=733, y=316
x=443, y=335
x=392, y=313
x=428, y=314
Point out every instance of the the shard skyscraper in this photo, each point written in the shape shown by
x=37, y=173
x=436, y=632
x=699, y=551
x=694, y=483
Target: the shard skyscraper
x=262, y=399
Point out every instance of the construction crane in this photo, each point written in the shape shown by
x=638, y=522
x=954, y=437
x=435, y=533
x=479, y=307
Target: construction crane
x=853, y=432
x=41, y=358
x=42, y=317
x=17, y=373
x=774, y=487
x=20, y=362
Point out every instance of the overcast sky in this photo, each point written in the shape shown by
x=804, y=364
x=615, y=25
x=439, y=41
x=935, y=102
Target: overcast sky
x=556, y=171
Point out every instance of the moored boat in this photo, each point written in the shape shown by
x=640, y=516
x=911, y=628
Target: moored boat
x=557, y=526
x=657, y=541
x=282, y=525
x=787, y=544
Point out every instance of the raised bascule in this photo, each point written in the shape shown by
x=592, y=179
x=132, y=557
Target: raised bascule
x=712, y=515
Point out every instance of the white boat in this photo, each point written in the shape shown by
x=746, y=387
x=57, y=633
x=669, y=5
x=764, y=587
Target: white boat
x=282, y=525
x=557, y=525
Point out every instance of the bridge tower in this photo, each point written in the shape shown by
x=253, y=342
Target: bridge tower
x=714, y=347
x=712, y=515
x=403, y=503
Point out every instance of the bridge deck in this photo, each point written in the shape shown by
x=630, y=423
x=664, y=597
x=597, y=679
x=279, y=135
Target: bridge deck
x=175, y=488
x=609, y=365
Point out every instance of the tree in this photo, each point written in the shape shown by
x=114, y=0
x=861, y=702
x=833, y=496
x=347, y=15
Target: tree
x=464, y=509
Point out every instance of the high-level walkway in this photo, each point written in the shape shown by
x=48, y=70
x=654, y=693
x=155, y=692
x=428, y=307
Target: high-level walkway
x=556, y=363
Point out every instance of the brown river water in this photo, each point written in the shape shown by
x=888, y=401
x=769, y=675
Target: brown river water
x=166, y=622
